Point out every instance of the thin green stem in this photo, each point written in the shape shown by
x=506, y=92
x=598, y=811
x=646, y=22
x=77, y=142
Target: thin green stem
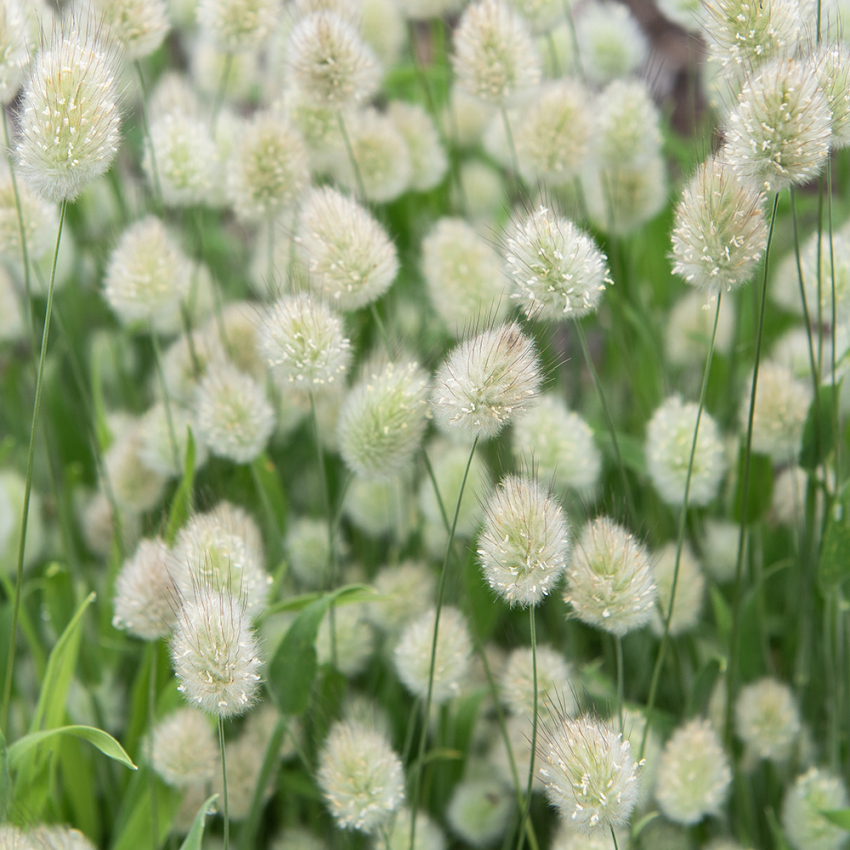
x=152, y=653
x=358, y=177
x=22, y=235
x=146, y=130
x=224, y=783
x=166, y=400
x=512, y=147
x=534, y=722
x=222, y=88
x=618, y=654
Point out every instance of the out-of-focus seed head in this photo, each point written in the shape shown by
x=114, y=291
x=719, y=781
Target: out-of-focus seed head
x=557, y=268
x=146, y=596
x=541, y=15
x=160, y=442
x=720, y=232
x=429, y=836
x=382, y=508
x=495, y=58
x=215, y=653
x=184, y=364
x=383, y=419
x=428, y=160
x=69, y=116
x=611, y=41
x=813, y=793
x=688, y=14
x=135, y=486
x=234, y=416
x=349, y=645
x=486, y=381
x=832, y=66
x=554, y=687
x=147, y=275
x=243, y=775
x=693, y=775
x=184, y=749
x=383, y=28
x=14, y=55
x=404, y=590
x=720, y=549
x=690, y=589
x=56, y=838
x=689, y=328
x=328, y=61
x=609, y=581
x=423, y=10
x=309, y=551
x=412, y=656
x=627, y=126
x=238, y=25
x=11, y=309
x=173, y=94
x=361, y=777
x=349, y=256
x=207, y=63
x=780, y=132
x=139, y=26
x=524, y=547
x=480, y=810
x=767, y=719
x=304, y=344
x=40, y=222
x=588, y=771
x=268, y=169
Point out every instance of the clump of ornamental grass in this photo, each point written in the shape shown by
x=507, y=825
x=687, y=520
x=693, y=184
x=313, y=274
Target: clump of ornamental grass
x=349, y=256
x=145, y=593
x=554, y=685
x=720, y=232
x=814, y=792
x=69, y=116
x=184, y=749
x=451, y=660
x=588, y=771
x=360, y=776
x=480, y=810
x=139, y=26
x=557, y=269
x=767, y=719
x=609, y=581
x=486, y=381
x=238, y=25
x=690, y=589
x=525, y=544
x=383, y=419
x=611, y=41
x=694, y=777
x=428, y=160
x=464, y=274
x=495, y=58
x=304, y=345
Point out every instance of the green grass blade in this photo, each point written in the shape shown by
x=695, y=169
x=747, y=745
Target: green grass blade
x=96, y=737
x=196, y=833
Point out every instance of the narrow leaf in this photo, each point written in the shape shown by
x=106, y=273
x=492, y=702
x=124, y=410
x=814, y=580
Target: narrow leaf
x=760, y=489
x=819, y=431
x=350, y=594
x=834, y=565
x=96, y=737
x=4, y=777
x=196, y=833
x=840, y=817
x=181, y=505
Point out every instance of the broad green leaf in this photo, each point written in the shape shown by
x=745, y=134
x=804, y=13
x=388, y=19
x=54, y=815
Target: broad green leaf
x=181, y=505
x=840, y=817
x=760, y=487
x=96, y=737
x=196, y=833
x=834, y=564
x=819, y=431
x=350, y=594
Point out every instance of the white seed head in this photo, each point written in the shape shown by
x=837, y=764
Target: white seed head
x=238, y=25
x=145, y=593
x=206, y=67
x=383, y=419
x=693, y=775
x=234, y=416
x=611, y=41
x=56, y=838
x=486, y=381
x=351, y=642
x=832, y=66
x=139, y=26
x=244, y=766
x=404, y=590
x=814, y=792
x=14, y=56
x=554, y=684
x=525, y=544
x=690, y=589
x=361, y=777
x=135, y=486
x=40, y=223
x=720, y=232
x=69, y=116
x=495, y=58
x=689, y=327
x=452, y=660
x=382, y=508
x=429, y=836
x=480, y=810
x=767, y=719
x=720, y=549
x=349, y=256
x=557, y=269
x=833, y=276
x=588, y=771
x=428, y=160
x=308, y=550
x=184, y=749
x=160, y=443
x=609, y=582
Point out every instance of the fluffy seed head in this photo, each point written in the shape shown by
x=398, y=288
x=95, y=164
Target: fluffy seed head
x=486, y=381
x=814, y=792
x=495, y=57
x=480, y=810
x=383, y=419
x=328, y=61
x=693, y=774
x=349, y=256
x=404, y=590
x=428, y=161
x=412, y=656
x=690, y=590
x=139, y=26
x=720, y=230
x=304, y=344
x=184, y=749
x=158, y=449
x=609, y=582
x=516, y=684
x=382, y=508
x=69, y=118
x=354, y=637
x=145, y=593
x=767, y=719
x=557, y=269
x=832, y=66
x=524, y=547
x=361, y=777
x=627, y=126
x=238, y=25
x=234, y=416
x=611, y=42
x=13, y=49
x=833, y=257
x=40, y=222
x=588, y=771
x=429, y=836
x=308, y=550
x=779, y=133
x=215, y=653
x=136, y=487
x=669, y=439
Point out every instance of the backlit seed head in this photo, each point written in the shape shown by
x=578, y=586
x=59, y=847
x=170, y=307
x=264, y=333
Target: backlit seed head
x=215, y=653
x=69, y=116
x=147, y=275
x=238, y=25
x=184, y=749
x=428, y=160
x=234, y=416
x=814, y=792
x=611, y=41
x=554, y=687
x=690, y=589
x=693, y=775
x=495, y=57
x=486, y=381
x=139, y=26
x=609, y=581
x=588, y=771
x=557, y=269
x=145, y=593
x=832, y=66
x=328, y=61
x=412, y=656
x=348, y=254
x=361, y=777
x=720, y=232
x=767, y=719
x=14, y=55
x=383, y=419
x=524, y=547
x=780, y=132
